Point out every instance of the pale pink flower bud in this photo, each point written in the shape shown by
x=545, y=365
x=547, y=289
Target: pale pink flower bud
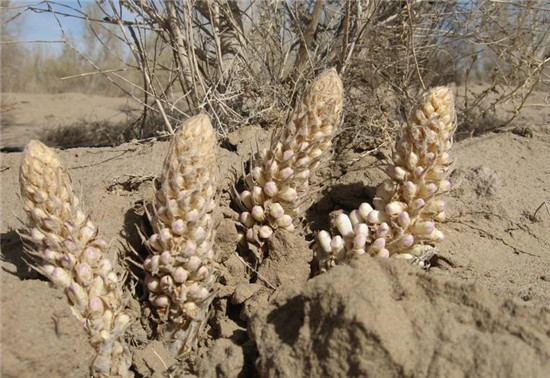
x=284, y=221
x=198, y=235
x=384, y=253
x=377, y=217
x=438, y=206
x=445, y=158
x=394, y=208
x=378, y=244
x=412, y=160
x=404, y=219
x=430, y=157
x=286, y=173
x=246, y=219
x=288, y=195
x=38, y=214
x=430, y=189
x=418, y=171
x=257, y=175
x=68, y=261
x=444, y=186
x=165, y=258
x=190, y=308
x=47, y=269
x=324, y=241
x=77, y=294
x=180, y=275
x=273, y=167
x=193, y=263
x=84, y=273
x=398, y=173
x=361, y=228
x=155, y=263
x=178, y=227
x=147, y=264
x=271, y=189
x=257, y=195
x=359, y=241
x=246, y=199
x=276, y=210
x=436, y=235
x=344, y=226
x=251, y=235
x=258, y=213
x=423, y=228
x=337, y=244
x=409, y=189
x=193, y=215
x=97, y=287
x=96, y=305
x=406, y=241
x=418, y=203
x=382, y=230
x=202, y=273
x=189, y=248
x=79, y=218
x=265, y=232
x=60, y=277
x=364, y=210
x=154, y=242
x=354, y=218
x=161, y=301
x=37, y=236
x=153, y=284
x=165, y=235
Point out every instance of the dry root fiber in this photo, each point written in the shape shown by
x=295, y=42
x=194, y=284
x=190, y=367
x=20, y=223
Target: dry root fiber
x=407, y=206
x=66, y=249
x=278, y=181
x=180, y=268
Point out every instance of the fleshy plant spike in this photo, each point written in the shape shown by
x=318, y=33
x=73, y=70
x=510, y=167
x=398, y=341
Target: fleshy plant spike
x=277, y=183
x=408, y=205
x=180, y=270
x=67, y=250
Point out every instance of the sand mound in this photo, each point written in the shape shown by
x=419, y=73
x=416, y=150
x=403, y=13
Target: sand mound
x=376, y=318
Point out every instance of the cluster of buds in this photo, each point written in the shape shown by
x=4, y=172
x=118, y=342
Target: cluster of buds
x=407, y=206
x=180, y=272
x=278, y=181
x=66, y=249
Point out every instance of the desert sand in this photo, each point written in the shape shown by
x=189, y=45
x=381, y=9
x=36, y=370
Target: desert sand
x=482, y=309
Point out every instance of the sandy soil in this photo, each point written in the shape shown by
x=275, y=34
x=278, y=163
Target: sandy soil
x=33, y=113
x=483, y=309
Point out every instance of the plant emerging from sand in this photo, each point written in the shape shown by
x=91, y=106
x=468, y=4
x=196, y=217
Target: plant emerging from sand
x=67, y=250
x=407, y=206
x=180, y=269
x=277, y=184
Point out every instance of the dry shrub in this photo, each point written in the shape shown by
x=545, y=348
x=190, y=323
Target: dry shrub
x=244, y=62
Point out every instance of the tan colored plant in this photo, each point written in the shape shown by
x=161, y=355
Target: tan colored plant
x=407, y=206
x=180, y=269
x=278, y=181
x=67, y=250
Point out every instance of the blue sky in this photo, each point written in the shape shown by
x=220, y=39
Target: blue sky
x=43, y=26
